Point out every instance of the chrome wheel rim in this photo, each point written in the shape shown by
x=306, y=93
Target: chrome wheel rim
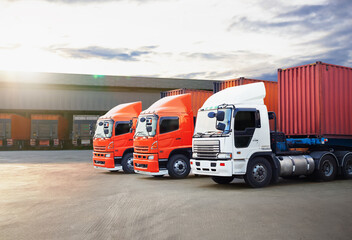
x=259, y=172
x=130, y=163
x=349, y=167
x=327, y=168
x=180, y=166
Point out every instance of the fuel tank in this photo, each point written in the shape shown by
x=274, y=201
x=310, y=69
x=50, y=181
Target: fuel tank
x=296, y=165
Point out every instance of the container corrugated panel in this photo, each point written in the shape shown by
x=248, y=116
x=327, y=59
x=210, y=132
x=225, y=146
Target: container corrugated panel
x=62, y=123
x=271, y=99
x=19, y=126
x=198, y=97
x=316, y=100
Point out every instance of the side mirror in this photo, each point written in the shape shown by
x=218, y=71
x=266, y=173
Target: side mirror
x=130, y=124
x=149, y=129
x=142, y=119
x=271, y=115
x=149, y=121
x=106, y=131
x=220, y=126
x=211, y=115
x=91, y=129
x=220, y=116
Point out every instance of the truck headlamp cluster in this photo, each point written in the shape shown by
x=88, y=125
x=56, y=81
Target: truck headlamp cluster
x=151, y=157
x=225, y=155
x=194, y=155
x=107, y=155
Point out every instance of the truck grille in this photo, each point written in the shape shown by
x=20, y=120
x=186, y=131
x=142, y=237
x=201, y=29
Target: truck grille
x=99, y=148
x=141, y=148
x=206, y=149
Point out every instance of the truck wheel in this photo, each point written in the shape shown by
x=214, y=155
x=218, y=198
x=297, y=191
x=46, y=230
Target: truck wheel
x=127, y=163
x=178, y=166
x=347, y=168
x=327, y=169
x=222, y=180
x=258, y=173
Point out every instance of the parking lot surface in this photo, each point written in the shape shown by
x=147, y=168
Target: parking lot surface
x=59, y=195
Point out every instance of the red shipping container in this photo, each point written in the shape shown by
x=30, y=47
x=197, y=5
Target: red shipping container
x=271, y=98
x=198, y=97
x=316, y=100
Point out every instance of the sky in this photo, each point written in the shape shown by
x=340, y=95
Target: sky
x=198, y=39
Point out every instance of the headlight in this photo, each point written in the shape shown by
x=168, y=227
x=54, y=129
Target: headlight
x=107, y=155
x=154, y=145
x=194, y=155
x=225, y=155
x=151, y=157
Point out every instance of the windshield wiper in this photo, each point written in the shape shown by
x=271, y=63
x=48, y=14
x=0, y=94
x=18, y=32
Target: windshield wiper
x=198, y=133
x=214, y=133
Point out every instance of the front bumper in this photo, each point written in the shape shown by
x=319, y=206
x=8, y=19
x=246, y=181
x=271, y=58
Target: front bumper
x=117, y=168
x=146, y=166
x=212, y=167
x=101, y=161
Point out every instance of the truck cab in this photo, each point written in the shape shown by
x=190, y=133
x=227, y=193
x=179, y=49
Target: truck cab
x=228, y=133
x=163, y=138
x=232, y=138
x=113, y=140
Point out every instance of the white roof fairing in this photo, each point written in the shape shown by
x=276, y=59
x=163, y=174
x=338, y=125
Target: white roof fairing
x=253, y=93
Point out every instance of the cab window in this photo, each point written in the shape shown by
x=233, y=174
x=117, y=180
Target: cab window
x=122, y=128
x=245, y=124
x=169, y=124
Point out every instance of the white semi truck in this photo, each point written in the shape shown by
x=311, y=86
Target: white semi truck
x=232, y=138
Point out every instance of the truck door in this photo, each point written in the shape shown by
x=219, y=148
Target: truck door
x=121, y=138
x=169, y=135
x=246, y=138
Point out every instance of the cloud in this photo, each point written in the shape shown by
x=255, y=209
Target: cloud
x=231, y=55
x=329, y=25
x=103, y=53
x=268, y=76
x=10, y=46
x=191, y=75
x=312, y=17
x=90, y=1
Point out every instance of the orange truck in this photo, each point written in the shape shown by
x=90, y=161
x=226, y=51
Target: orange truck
x=163, y=135
x=48, y=131
x=113, y=140
x=14, y=131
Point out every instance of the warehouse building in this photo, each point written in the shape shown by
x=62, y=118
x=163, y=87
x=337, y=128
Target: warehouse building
x=27, y=94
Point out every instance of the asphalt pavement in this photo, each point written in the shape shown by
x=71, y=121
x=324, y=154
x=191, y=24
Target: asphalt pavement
x=59, y=195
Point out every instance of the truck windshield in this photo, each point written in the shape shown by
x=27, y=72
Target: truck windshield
x=206, y=125
x=144, y=122
x=102, y=125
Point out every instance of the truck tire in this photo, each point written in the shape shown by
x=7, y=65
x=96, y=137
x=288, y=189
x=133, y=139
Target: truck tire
x=178, y=166
x=347, y=168
x=259, y=173
x=327, y=169
x=127, y=163
x=222, y=180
